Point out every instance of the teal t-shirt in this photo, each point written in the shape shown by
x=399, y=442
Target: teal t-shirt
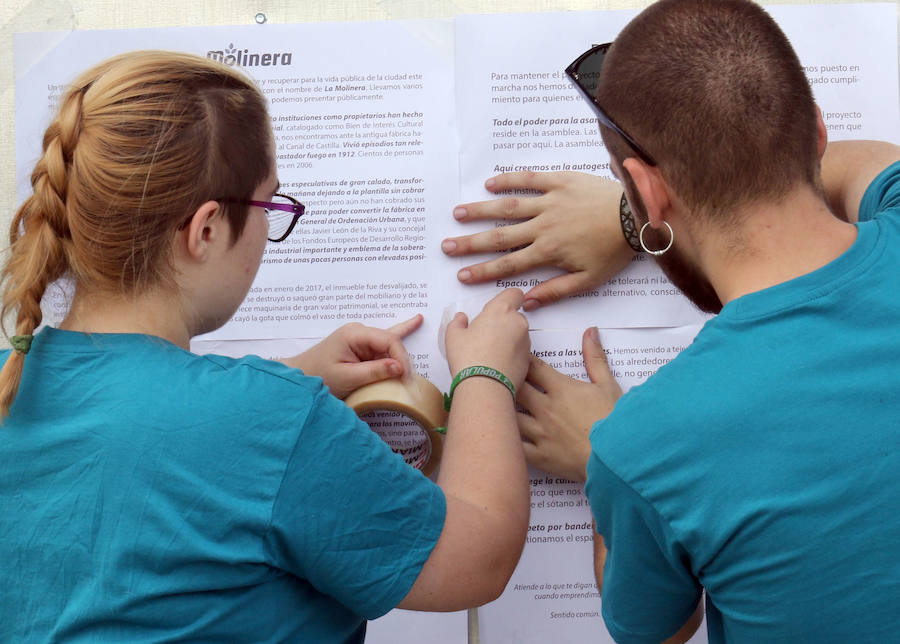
x=763, y=463
x=148, y=494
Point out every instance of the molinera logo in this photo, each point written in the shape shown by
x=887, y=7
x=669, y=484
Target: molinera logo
x=243, y=57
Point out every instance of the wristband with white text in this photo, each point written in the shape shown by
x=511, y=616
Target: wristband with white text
x=478, y=370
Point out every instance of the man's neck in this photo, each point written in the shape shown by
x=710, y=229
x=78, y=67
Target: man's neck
x=777, y=242
x=155, y=313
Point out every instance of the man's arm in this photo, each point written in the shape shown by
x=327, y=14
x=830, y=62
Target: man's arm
x=848, y=167
x=599, y=555
x=647, y=592
x=690, y=627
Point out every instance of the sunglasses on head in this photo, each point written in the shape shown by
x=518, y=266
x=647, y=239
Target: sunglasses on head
x=584, y=72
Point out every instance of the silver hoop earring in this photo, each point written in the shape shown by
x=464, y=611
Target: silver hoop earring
x=661, y=251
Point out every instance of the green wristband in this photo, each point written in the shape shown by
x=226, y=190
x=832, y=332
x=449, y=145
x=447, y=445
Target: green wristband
x=478, y=370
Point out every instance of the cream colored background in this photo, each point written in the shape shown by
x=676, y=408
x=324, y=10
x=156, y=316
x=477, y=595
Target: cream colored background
x=60, y=15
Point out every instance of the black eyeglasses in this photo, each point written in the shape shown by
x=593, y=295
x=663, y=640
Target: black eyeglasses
x=585, y=74
x=282, y=213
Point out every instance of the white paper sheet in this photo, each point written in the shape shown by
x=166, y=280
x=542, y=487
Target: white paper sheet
x=517, y=110
x=362, y=140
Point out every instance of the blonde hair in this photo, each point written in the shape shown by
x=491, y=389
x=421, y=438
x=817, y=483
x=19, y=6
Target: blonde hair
x=139, y=143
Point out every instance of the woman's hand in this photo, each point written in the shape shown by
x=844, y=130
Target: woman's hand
x=497, y=337
x=356, y=355
x=574, y=225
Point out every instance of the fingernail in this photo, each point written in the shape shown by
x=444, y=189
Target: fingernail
x=459, y=213
x=595, y=334
x=395, y=369
x=530, y=305
x=489, y=183
x=448, y=246
x=464, y=275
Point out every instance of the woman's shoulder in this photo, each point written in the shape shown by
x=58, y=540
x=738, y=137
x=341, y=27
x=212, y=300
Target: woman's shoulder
x=256, y=369
x=253, y=382
x=152, y=373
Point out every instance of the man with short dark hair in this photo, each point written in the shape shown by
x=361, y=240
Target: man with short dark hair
x=760, y=465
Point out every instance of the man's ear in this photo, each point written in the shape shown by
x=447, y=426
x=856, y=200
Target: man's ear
x=652, y=188
x=204, y=229
x=822, y=132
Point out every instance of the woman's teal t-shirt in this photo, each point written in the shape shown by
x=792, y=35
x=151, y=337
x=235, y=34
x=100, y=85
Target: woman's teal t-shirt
x=149, y=494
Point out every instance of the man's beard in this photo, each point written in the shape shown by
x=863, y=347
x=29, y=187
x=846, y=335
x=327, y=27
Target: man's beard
x=685, y=275
x=680, y=270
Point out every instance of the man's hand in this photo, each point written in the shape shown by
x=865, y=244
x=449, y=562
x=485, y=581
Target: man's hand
x=556, y=434
x=574, y=225
x=356, y=355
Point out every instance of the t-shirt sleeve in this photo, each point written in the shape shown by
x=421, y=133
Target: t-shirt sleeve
x=352, y=517
x=648, y=589
x=882, y=195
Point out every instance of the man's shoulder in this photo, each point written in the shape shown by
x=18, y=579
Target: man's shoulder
x=672, y=426
x=672, y=391
x=883, y=195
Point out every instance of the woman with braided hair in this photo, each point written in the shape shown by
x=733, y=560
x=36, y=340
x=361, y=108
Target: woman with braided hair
x=150, y=494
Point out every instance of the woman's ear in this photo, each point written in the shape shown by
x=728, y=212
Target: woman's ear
x=204, y=229
x=652, y=187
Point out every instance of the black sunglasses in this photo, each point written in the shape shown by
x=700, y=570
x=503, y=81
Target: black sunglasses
x=585, y=74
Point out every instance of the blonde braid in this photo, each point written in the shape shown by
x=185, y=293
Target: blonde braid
x=139, y=143
x=39, y=237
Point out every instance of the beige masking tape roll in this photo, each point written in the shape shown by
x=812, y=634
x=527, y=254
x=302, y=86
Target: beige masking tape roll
x=415, y=398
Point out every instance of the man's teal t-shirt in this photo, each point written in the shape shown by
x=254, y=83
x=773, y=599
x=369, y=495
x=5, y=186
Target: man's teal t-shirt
x=149, y=494
x=763, y=463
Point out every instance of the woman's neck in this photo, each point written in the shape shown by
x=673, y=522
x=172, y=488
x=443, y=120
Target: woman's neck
x=156, y=313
